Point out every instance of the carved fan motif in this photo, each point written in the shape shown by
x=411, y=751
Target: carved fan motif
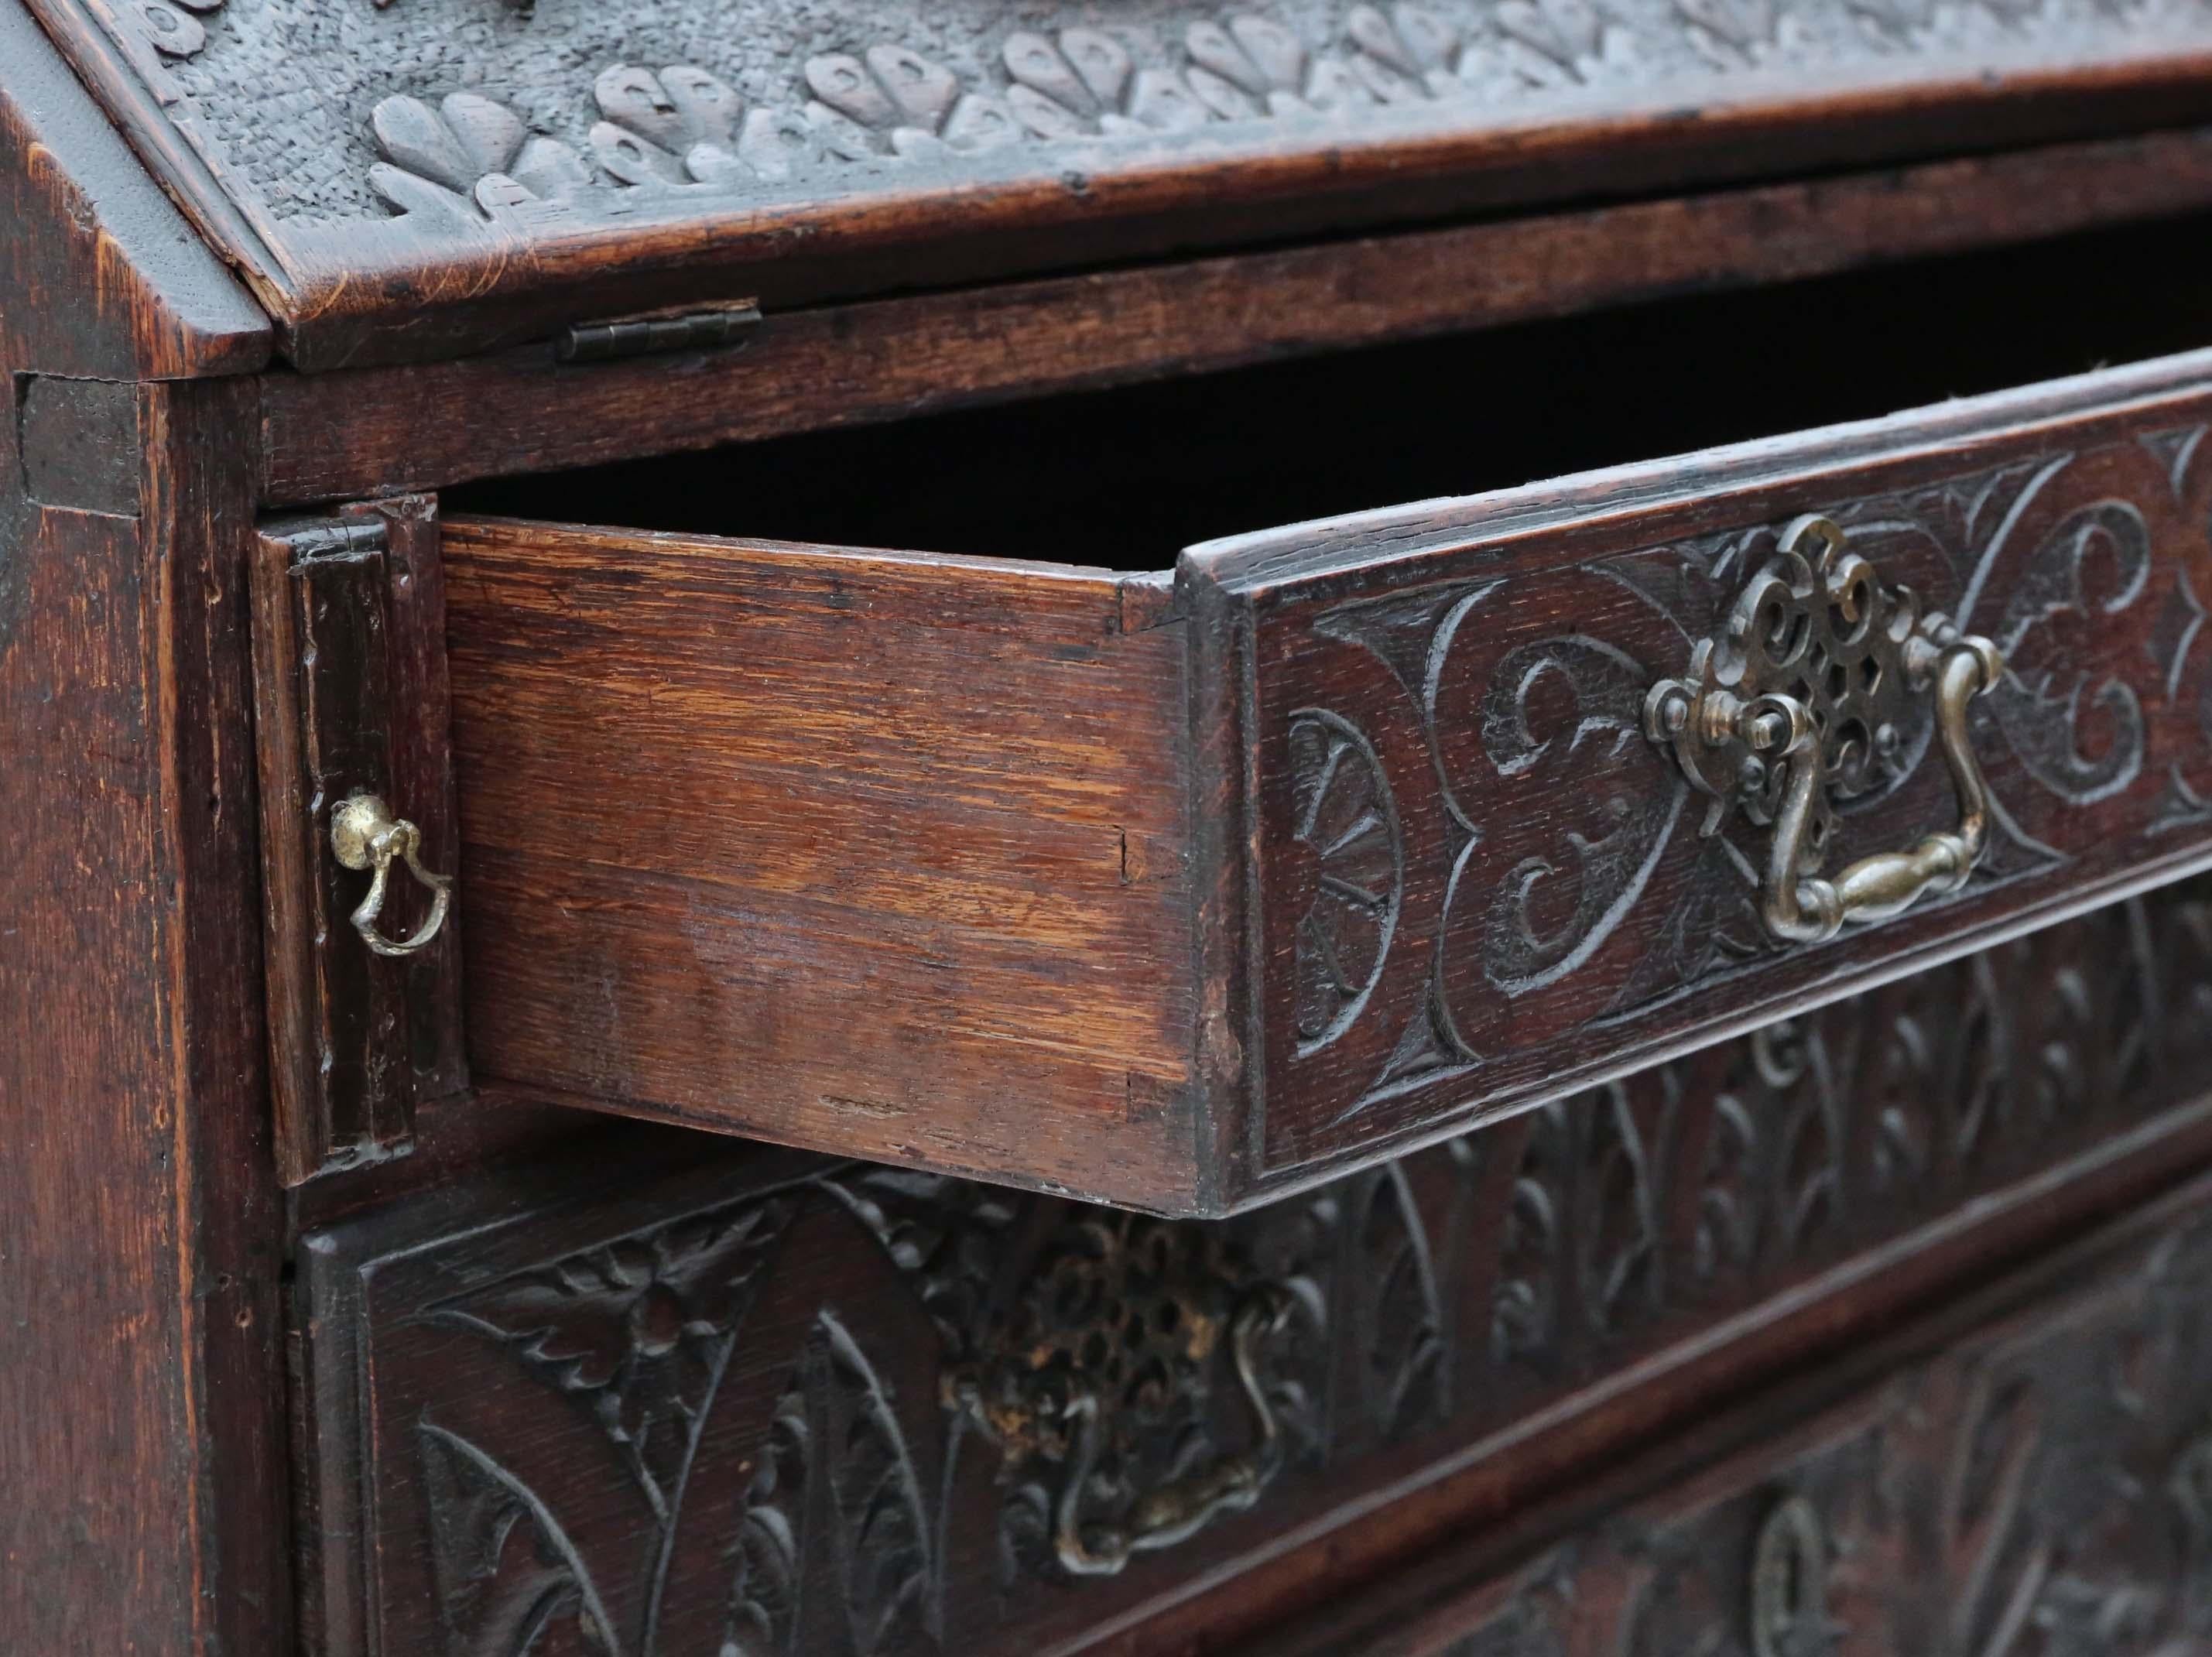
x=1350, y=876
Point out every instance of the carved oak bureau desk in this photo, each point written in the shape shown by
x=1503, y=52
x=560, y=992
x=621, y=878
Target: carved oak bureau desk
x=710, y=946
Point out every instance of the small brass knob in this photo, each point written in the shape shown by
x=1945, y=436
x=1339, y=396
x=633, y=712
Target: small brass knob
x=366, y=836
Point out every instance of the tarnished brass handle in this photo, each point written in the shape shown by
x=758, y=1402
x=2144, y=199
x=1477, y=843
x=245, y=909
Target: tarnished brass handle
x=366, y=836
x=1799, y=702
x=1180, y=1508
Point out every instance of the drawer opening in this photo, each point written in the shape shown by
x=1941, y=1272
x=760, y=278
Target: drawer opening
x=1125, y=478
x=968, y=858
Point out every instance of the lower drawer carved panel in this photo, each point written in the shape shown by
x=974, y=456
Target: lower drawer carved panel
x=762, y=1403
x=2041, y=1488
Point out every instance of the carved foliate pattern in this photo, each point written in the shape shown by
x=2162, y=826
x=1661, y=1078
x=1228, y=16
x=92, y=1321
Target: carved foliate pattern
x=1557, y=874
x=835, y=1416
x=2041, y=1487
x=295, y=119
x=507, y=1574
x=636, y=1332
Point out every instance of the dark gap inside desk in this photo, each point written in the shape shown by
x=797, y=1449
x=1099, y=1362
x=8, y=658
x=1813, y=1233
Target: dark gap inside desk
x=1125, y=478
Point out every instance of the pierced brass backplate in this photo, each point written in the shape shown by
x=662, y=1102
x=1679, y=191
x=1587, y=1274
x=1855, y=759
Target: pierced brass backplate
x=1802, y=700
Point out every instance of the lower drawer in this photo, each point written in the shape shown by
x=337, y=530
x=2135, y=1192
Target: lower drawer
x=751, y=1402
x=2039, y=1485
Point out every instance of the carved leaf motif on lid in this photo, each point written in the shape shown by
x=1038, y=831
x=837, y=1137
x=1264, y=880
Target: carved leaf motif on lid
x=939, y=95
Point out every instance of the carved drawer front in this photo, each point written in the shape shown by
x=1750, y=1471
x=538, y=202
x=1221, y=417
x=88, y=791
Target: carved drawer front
x=754, y=1402
x=2041, y=1484
x=1176, y=891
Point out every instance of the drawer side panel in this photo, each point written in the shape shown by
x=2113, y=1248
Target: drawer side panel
x=870, y=853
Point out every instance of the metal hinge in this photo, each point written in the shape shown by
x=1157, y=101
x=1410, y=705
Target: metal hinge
x=654, y=332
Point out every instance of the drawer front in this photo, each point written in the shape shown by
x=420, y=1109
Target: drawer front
x=761, y=1403
x=1476, y=867
x=2041, y=1484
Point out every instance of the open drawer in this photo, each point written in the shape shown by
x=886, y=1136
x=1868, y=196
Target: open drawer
x=1178, y=888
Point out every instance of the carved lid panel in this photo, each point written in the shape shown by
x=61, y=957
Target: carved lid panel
x=416, y=177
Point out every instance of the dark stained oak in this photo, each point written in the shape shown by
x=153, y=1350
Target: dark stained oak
x=1537, y=899
x=352, y=432
x=350, y=698
x=142, y=1404
x=667, y=1402
x=1354, y=837
x=1322, y=1157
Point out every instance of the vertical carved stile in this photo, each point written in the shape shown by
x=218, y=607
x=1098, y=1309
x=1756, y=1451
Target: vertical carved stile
x=351, y=699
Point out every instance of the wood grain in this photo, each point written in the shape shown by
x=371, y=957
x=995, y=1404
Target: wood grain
x=353, y=433
x=141, y=1378
x=1332, y=950
x=141, y=1398
x=869, y=850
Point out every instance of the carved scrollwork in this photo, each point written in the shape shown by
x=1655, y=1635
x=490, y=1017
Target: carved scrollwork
x=2082, y=736
x=1552, y=881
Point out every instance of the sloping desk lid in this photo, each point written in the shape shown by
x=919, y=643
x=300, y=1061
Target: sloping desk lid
x=414, y=179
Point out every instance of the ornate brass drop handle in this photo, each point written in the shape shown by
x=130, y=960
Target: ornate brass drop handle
x=366, y=836
x=1800, y=703
x=1182, y=1508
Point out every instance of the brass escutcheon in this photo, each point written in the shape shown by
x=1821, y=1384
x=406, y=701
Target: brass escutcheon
x=1800, y=701
x=1183, y=1508
x=366, y=836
